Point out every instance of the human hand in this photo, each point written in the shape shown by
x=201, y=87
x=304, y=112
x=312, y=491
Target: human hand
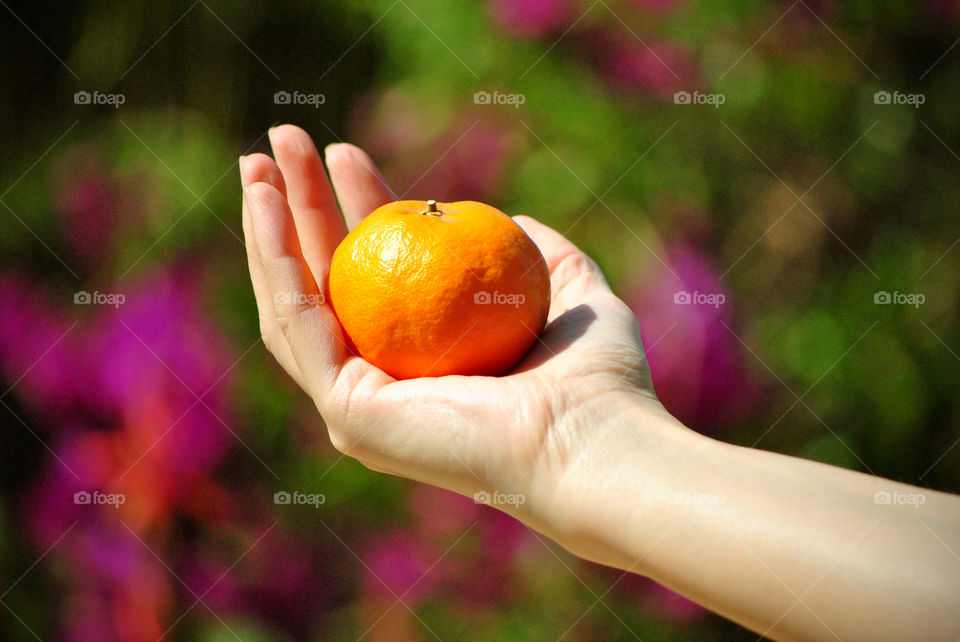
x=531, y=432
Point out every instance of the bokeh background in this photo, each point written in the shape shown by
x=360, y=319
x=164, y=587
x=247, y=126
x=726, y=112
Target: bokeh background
x=787, y=198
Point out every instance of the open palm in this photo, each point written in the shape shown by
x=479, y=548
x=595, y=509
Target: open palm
x=513, y=434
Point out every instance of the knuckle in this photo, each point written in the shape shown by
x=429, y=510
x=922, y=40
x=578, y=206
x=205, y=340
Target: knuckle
x=265, y=337
x=343, y=442
x=283, y=323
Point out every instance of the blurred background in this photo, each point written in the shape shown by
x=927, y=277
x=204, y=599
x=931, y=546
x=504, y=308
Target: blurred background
x=772, y=186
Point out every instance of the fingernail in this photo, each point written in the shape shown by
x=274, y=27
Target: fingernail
x=243, y=182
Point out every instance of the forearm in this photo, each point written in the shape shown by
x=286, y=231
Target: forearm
x=787, y=547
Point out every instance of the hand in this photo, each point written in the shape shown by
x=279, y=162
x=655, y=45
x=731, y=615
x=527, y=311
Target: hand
x=577, y=430
x=521, y=433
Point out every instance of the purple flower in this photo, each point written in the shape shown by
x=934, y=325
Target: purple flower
x=37, y=349
x=117, y=392
x=165, y=369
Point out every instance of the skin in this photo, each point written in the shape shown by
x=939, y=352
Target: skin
x=789, y=548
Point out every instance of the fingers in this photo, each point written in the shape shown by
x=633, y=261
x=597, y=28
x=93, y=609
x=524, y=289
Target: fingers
x=309, y=326
x=312, y=203
x=574, y=277
x=358, y=183
x=259, y=168
x=554, y=246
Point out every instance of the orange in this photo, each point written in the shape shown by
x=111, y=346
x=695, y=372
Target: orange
x=430, y=289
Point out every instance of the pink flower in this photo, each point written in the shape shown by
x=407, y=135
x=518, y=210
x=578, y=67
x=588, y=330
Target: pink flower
x=282, y=578
x=673, y=605
x=93, y=205
x=642, y=67
x=89, y=216
x=687, y=321
x=480, y=568
x=398, y=562
x=474, y=156
x=37, y=349
x=116, y=588
x=531, y=18
x=441, y=513
x=464, y=159
x=115, y=399
x=654, y=598
x=162, y=365
x=656, y=6
x=392, y=122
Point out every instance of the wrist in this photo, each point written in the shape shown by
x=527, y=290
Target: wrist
x=613, y=499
